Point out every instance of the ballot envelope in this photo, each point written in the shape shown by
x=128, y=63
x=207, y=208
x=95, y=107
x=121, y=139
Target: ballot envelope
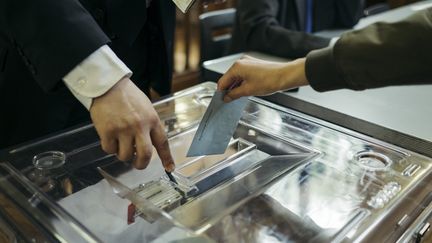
x=284, y=177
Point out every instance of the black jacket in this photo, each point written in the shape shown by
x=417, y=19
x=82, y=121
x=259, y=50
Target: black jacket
x=276, y=26
x=41, y=41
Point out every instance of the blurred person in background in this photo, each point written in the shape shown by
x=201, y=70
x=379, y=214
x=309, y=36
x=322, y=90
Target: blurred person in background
x=379, y=55
x=285, y=27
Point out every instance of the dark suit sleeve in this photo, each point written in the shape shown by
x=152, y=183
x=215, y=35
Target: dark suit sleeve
x=260, y=30
x=348, y=13
x=380, y=55
x=51, y=36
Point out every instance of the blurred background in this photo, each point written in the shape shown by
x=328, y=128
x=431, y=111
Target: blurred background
x=187, y=38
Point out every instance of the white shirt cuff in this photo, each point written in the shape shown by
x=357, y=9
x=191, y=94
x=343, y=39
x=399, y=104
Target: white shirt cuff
x=97, y=74
x=333, y=41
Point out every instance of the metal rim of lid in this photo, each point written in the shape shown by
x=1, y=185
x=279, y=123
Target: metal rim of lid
x=49, y=160
x=204, y=98
x=382, y=162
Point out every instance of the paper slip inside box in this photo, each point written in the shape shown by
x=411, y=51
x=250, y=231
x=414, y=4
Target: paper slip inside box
x=217, y=126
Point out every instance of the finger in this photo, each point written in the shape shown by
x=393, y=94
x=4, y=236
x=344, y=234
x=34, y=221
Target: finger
x=126, y=148
x=228, y=78
x=160, y=142
x=144, y=151
x=236, y=93
x=225, y=81
x=109, y=145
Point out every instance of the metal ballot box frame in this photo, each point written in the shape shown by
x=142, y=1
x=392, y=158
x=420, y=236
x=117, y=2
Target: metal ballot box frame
x=285, y=176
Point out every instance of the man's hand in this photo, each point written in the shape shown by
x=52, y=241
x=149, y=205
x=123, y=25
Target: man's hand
x=128, y=125
x=252, y=76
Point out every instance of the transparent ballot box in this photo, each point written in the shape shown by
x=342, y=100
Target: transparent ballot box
x=284, y=177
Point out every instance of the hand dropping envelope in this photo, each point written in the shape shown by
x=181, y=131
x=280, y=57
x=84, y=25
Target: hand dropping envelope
x=184, y=5
x=217, y=126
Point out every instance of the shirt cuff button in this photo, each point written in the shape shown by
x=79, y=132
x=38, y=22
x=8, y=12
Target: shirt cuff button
x=82, y=82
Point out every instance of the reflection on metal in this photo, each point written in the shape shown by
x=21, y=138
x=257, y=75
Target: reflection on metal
x=422, y=231
x=33, y=214
x=286, y=177
x=148, y=209
x=204, y=99
x=196, y=173
x=372, y=161
x=49, y=160
x=411, y=169
x=420, y=226
x=384, y=195
x=354, y=222
x=402, y=221
x=160, y=193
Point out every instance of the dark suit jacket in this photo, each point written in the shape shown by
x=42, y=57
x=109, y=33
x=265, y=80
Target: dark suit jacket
x=41, y=41
x=276, y=26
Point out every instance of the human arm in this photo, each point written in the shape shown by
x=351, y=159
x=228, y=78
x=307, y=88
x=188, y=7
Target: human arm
x=380, y=55
x=95, y=75
x=53, y=38
x=122, y=115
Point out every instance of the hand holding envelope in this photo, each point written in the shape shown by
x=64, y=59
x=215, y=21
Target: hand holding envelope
x=217, y=126
x=220, y=120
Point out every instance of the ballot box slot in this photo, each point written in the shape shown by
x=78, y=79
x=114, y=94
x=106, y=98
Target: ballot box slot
x=207, y=210
x=204, y=172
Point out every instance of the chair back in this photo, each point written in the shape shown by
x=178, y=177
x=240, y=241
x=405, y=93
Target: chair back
x=214, y=46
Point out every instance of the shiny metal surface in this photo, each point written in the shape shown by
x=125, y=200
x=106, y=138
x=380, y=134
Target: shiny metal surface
x=32, y=215
x=287, y=177
x=185, y=109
